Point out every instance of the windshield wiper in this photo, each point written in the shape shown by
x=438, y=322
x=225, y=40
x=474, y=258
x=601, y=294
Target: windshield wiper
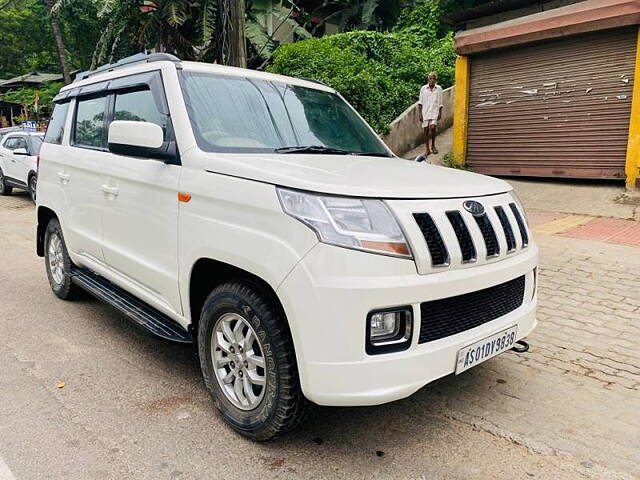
x=313, y=149
x=370, y=154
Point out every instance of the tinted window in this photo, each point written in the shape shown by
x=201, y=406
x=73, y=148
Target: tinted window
x=55, y=130
x=9, y=143
x=248, y=115
x=20, y=142
x=36, y=143
x=13, y=143
x=139, y=106
x=90, y=122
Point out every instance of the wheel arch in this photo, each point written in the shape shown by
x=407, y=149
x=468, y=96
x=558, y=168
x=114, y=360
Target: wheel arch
x=45, y=215
x=207, y=274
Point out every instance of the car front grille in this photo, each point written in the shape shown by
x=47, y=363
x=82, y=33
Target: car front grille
x=449, y=316
x=437, y=248
x=475, y=237
x=489, y=235
x=464, y=237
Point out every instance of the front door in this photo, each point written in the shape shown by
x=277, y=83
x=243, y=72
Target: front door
x=9, y=162
x=140, y=206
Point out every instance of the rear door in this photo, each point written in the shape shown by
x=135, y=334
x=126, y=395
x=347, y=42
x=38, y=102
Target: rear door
x=140, y=200
x=78, y=176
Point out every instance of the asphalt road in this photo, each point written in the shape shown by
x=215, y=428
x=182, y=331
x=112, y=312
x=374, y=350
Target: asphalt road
x=133, y=406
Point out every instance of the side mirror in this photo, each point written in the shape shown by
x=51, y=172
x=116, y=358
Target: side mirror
x=20, y=151
x=136, y=139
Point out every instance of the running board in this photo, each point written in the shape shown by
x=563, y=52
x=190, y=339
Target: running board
x=147, y=317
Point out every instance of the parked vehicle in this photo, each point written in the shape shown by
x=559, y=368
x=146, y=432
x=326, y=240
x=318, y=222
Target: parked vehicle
x=18, y=162
x=261, y=218
x=6, y=130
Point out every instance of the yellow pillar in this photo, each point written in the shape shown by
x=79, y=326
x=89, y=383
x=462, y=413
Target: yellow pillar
x=461, y=110
x=633, y=144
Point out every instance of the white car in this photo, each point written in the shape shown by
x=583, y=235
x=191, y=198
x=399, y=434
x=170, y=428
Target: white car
x=259, y=217
x=18, y=162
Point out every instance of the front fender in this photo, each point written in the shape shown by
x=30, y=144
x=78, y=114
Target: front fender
x=238, y=222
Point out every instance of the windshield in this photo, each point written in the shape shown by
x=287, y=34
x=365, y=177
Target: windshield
x=238, y=114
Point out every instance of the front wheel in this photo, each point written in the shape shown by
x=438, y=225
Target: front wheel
x=248, y=363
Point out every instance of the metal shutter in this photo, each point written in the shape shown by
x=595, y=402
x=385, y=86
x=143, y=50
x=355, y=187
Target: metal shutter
x=557, y=108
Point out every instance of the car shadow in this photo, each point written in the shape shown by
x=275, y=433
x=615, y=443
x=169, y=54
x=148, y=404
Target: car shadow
x=343, y=431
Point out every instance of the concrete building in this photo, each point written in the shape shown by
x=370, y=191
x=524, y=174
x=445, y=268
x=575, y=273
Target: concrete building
x=546, y=88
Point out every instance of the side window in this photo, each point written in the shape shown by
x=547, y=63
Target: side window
x=139, y=106
x=36, y=144
x=89, y=124
x=55, y=130
x=10, y=143
x=21, y=142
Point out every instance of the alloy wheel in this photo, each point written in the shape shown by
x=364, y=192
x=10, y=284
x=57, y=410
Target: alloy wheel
x=56, y=258
x=238, y=361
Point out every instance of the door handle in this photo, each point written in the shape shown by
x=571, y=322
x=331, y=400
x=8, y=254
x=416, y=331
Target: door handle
x=64, y=177
x=109, y=190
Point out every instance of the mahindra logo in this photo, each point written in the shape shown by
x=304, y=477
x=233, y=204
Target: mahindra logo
x=474, y=208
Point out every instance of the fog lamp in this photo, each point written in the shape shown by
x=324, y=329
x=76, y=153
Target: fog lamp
x=389, y=330
x=384, y=325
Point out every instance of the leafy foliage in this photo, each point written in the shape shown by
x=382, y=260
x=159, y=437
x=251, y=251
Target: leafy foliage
x=380, y=74
x=423, y=20
x=21, y=49
x=266, y=21
x=28, y=97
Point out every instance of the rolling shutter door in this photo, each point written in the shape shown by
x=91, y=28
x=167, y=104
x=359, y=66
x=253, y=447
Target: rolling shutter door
x=558, y=108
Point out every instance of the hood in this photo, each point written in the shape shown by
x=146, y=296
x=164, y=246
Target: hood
x=360, y=176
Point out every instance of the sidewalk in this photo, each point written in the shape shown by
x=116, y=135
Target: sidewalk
x=583, y=197
x=595, y=198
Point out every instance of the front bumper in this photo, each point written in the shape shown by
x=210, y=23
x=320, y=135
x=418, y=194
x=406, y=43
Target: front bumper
x=329, y=293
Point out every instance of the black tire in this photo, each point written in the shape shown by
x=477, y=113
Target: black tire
x=4, y=188
x=65, y=289
x=33, y=183
x=283, y=406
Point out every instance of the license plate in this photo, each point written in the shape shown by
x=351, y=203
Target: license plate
x=478, y=352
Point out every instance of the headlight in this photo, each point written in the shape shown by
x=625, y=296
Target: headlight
x=362, y=224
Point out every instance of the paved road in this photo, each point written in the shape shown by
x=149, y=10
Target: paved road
x=135, y=407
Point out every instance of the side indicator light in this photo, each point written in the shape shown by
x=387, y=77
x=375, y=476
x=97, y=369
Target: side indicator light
x=184, y=197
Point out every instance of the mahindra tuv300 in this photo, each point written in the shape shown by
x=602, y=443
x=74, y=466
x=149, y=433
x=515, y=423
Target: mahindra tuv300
x=261, y=218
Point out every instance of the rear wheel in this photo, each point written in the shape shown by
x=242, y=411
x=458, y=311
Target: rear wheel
x=33, y=183
x=58, y=263
x=248, y=362
x=4, y=188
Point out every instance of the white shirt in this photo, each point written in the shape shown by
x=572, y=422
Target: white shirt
x=431, y=101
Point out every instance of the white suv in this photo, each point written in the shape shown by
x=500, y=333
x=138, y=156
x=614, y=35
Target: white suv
x=261, y=218
x=18, y=162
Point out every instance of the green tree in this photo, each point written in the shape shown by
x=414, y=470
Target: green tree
x=20, y=49
x=59, y=41
x=34, y=100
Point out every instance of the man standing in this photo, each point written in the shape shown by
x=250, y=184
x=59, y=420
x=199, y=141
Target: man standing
x=430, y=111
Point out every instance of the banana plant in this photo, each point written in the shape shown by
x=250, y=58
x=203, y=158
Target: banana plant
x=269, y=22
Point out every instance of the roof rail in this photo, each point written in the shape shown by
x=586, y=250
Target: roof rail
x=137, y=58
